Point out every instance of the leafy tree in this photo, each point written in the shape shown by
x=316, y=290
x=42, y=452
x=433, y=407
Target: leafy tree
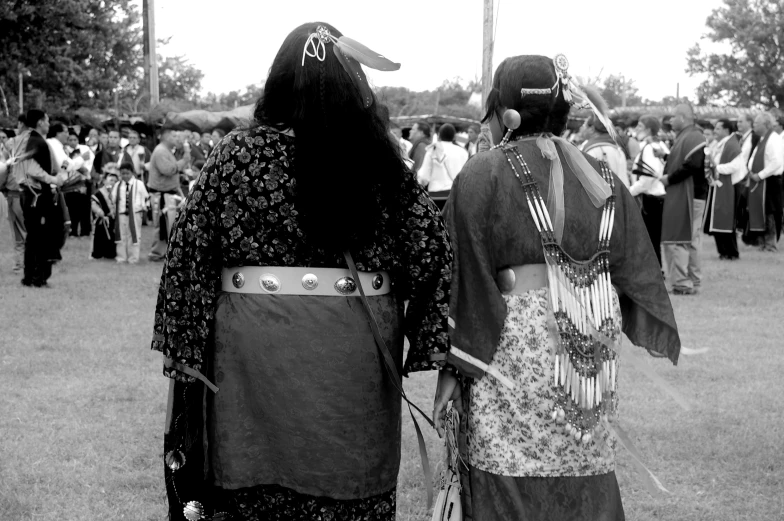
x=76, y=51
x=178, y=79
x=232, y=99
x=451, y=98
x=752, y=73
x=615, y=87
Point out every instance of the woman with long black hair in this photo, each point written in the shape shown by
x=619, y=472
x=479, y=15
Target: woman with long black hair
x=282, y=406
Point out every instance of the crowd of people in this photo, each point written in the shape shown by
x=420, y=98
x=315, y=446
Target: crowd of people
x=690, y=177
x=94, y=183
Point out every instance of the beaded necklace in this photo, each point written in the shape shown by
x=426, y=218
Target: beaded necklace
x=585, y=362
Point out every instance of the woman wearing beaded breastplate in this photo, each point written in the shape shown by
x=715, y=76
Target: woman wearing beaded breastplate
x=552, y=264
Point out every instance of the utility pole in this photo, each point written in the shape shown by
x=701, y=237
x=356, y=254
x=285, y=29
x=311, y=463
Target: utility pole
x=487, y=51
x=21, y=93
x=146, y=44
x=150, y=53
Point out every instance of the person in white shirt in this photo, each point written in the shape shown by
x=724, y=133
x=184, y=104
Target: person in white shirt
x=403, y=144
x=76, y=198
x=764, y=199
x=443, y=161
x=647, y=169
x=57, y=142
x=138, y=155
x=719, y=219
x=600, y=145
x=130, y=201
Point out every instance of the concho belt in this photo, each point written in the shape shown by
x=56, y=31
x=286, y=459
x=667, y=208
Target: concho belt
x=280, y=280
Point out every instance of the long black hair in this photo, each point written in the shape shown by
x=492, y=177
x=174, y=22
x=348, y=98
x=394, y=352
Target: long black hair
x=344, y=161
x=538, y=112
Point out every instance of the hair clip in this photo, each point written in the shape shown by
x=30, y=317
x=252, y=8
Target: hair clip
x=315, y=46
x=561, y=65
x=526, y=92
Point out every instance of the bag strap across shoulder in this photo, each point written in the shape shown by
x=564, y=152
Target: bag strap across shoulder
x=389, y=362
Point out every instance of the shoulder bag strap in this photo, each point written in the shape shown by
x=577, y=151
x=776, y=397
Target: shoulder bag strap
x=389, y=362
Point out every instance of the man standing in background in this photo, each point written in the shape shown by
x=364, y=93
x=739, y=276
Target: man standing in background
x=720, y=204
x=473, y=136
x=684, y=204
x=137, y=155
x=765, y=167
x=163, y=185
x=600, y=145
x=420, y=139
x=11, y=187
x=112, y=152
x=43, y=215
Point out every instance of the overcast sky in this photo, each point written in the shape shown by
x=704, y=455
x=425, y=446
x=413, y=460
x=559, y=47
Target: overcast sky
x=234, y=41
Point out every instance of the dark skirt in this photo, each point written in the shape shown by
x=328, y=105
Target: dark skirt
x=652, y=208
x=584, y=498
x=306, y=422
x=104, y=246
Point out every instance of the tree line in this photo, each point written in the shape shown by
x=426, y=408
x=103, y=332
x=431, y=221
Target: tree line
x=88, y=54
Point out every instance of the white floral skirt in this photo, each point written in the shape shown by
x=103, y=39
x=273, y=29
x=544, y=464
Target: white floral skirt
x=510, y=431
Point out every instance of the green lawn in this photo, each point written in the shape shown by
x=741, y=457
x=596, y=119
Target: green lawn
x=82, y=399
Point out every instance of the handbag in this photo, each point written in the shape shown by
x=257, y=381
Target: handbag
x=449, y=506
x=389, y=362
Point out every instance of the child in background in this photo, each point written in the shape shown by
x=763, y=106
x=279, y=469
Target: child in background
x=104, y=216
x=130, y=199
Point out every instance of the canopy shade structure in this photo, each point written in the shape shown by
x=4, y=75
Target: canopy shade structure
x=206, y=121
x=432, y=119
x=700, y=111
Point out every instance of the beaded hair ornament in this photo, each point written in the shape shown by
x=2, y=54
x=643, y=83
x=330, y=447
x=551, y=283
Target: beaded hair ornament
x=573, y=93
x=580, y=292
x=350, y=53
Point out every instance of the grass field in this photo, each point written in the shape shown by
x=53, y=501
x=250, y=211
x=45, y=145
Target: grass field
x=82, y=399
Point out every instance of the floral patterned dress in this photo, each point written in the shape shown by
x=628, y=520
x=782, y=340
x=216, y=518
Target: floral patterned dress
x=510, y=430
x=243, y=211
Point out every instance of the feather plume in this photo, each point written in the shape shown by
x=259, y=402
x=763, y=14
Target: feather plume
x=593, y=98
x=354, y=69
x=353, y=49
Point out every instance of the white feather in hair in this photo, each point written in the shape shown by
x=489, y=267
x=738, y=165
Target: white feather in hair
x=590, y=96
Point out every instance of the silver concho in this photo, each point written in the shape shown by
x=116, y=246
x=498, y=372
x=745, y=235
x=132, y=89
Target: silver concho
x=506, y=280
x=175, y=460
x=238, y=279
x=309, y=281
x=193, y=511
x=378, y=281
x=345, y=286
x=269, y=283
